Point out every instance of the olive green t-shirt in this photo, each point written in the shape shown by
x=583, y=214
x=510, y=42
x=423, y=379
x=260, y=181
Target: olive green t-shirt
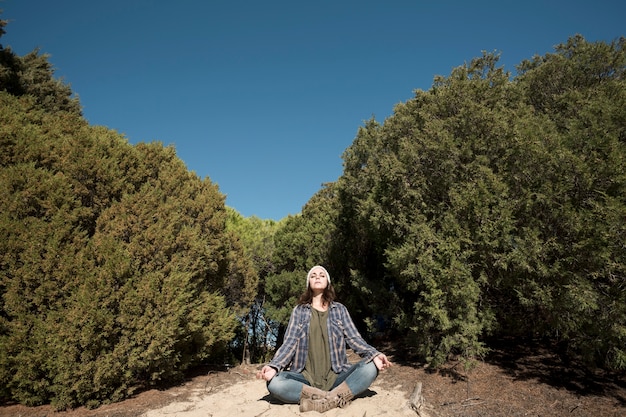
x=317, y=369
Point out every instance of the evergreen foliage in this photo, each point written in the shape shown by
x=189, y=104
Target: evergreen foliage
x=255, y=237
x=492, y=205
x=305, y=240
x=32, y=74
x=116, y=268
x=300, y=242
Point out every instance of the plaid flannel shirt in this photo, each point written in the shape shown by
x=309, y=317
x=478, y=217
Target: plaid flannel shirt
x=341, y=331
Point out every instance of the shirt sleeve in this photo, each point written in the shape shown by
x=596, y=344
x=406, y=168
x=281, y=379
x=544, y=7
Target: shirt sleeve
x=285, y=354
x=354, y=339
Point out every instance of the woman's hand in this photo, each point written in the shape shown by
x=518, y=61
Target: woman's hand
x=266, y=373
x=382, y=362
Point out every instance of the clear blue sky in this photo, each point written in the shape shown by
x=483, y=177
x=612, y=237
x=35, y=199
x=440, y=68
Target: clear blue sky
x=263, y=97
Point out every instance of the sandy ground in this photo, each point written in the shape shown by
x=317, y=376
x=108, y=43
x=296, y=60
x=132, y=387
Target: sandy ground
x=250, y=398
x=515, y=381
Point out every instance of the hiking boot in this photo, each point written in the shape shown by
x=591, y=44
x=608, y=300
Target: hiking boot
x=339, y=397
x=312, y=393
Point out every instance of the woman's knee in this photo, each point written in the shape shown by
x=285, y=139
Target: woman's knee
x=276, y=384
x=284, y=389
x=370, y=370
x=362, y=377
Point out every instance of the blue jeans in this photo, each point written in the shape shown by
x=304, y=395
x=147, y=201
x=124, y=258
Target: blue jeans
x=286, y=386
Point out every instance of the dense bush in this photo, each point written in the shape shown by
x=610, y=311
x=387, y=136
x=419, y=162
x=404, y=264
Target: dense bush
x=116, y=268
x=496, y=205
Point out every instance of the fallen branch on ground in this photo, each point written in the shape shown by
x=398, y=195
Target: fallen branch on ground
x=418, y=404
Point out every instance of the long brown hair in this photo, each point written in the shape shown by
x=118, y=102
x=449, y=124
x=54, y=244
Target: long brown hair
x=328, y=295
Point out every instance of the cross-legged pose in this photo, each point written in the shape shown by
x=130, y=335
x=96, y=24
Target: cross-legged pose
x=311, y=367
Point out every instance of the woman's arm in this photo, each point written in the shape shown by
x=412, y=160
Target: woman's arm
x=354, y=338
x=362, y=348
x=284, y=355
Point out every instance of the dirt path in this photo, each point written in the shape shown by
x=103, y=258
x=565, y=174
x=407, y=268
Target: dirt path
x=513, y=382
x=250, y=398
x=488, y=391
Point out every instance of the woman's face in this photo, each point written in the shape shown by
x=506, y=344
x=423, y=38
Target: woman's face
x=318, y=279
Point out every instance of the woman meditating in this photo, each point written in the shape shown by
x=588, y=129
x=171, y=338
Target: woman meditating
x=319, y=376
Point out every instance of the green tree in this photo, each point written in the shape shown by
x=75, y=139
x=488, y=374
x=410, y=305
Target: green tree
x=116, y=271
x=304, y=240
x=255, y=237
x=486, y=205
x=33, y=75
x=581, y=89
x=300, y=242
